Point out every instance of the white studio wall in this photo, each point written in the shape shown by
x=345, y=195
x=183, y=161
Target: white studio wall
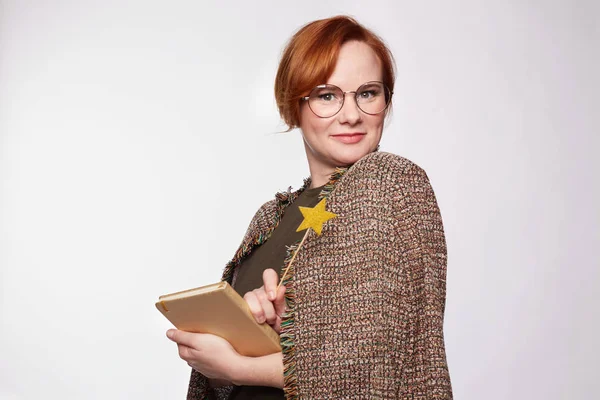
x=138, y=138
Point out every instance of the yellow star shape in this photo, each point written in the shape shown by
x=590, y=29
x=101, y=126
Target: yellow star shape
x=315, y=217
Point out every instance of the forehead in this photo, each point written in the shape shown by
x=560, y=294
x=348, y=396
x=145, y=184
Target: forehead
x=357, y=63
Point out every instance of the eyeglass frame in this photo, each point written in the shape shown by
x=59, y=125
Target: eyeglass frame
x=306, y=98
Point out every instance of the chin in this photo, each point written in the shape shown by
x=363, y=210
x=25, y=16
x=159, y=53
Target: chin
x=350, y=155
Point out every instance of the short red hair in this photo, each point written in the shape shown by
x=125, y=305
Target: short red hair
x=310, y=56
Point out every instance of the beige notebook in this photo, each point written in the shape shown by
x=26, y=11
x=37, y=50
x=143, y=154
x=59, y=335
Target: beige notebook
x=219, y=310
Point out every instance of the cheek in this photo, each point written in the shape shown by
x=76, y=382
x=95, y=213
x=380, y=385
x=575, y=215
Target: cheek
x=320, y=126
x=375, y=123
x=312, y=125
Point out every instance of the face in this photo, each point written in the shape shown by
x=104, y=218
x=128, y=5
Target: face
x=327, y=141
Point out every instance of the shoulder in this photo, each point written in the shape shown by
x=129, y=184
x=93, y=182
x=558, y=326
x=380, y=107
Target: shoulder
x=266, y=210
x=263, y=218
x=387, y=168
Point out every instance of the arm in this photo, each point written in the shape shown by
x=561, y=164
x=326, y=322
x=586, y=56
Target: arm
x=420, y=231
x=200, y=386
x=267, y=305
x=260, y=371
x=215, y=359
x=256, y=371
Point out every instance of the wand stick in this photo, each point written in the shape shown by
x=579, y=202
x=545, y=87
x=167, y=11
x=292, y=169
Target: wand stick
x=292, y=260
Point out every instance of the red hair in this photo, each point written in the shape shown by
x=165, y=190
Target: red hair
x=310, y=56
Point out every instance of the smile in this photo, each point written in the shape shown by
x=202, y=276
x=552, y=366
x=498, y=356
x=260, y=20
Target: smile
x=349, y=138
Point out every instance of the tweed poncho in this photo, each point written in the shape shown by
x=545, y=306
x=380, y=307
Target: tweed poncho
x=366, y=298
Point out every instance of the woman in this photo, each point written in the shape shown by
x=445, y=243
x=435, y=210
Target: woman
x=360, y=311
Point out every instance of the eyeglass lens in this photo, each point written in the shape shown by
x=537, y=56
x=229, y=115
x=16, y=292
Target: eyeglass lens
x=327, y=100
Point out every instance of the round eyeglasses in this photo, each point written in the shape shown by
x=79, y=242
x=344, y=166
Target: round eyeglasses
x=327, y=100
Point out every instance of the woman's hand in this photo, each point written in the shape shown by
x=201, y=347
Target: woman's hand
x=217, y=360
x=208, y=354
x=266, y=305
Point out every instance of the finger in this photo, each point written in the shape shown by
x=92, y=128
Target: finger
x=267, y=306
x=255, y=307
x=279, y=303
x=185, y=352
x=181, y=337
x=270, y=280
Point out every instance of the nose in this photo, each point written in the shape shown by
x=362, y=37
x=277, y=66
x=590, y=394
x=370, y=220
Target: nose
x=350, y=112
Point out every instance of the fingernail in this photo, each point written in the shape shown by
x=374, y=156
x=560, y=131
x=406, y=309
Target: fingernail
x=170, y=334
x=271, y=295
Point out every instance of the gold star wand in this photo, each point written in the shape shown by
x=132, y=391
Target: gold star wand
x=314, y=217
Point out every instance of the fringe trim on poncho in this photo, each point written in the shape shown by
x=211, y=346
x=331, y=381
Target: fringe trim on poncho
x=284, y=199
x=286, y=334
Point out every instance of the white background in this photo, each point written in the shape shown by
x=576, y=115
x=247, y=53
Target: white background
x=138, y=138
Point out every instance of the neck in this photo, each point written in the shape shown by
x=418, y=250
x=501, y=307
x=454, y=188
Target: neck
x=319, y=174
x=316, y=181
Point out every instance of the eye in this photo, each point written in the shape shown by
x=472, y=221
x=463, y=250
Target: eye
x=326, y=96
x=369, y=93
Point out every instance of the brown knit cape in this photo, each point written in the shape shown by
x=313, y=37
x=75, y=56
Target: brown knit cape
x=366, y=298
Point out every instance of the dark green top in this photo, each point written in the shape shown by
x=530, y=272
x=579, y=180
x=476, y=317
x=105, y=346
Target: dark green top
x=271, y=254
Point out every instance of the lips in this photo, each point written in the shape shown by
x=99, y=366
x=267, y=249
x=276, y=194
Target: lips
x=349, y=137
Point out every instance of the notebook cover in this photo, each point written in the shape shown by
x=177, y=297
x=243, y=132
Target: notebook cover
x=220, y=310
